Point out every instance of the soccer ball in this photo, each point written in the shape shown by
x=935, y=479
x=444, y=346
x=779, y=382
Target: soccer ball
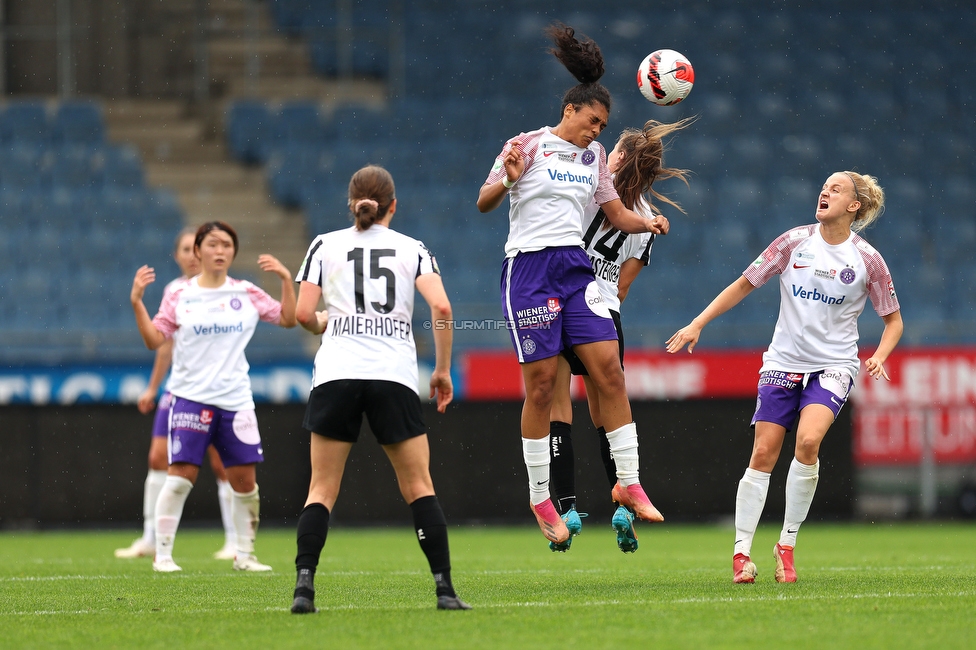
x=665, y=77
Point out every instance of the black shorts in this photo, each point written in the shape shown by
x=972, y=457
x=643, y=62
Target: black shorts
x=576, y=366
x=335, y=410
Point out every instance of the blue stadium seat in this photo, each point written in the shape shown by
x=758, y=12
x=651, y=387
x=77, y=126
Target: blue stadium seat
x=249, y=128
x=76, y=166
x=361, y=124
x=25, y=122
x=79, y=122
x=301, y=122
x=292, y=170
x=25, y=166
x=122, y=167
x=289, y=15
x=164, y=212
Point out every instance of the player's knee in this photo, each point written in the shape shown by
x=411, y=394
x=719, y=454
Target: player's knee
x=807, y=450
x=540, y=392
x=611, y=377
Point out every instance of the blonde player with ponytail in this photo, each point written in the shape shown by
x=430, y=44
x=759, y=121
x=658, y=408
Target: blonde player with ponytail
x=827, y=273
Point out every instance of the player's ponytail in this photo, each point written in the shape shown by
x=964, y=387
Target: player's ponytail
x=371, y=193
x=642, y=162
x=868, y=191
x=583, y=59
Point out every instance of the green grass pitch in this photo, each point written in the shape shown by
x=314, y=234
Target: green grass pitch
x=860, y=586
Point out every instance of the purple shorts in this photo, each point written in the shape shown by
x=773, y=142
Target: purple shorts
x=551, y=302
x=161, y=419
x=782, y=395
x=194, y=426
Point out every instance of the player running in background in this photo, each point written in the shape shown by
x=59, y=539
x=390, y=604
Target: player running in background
x=145, y=546
x=827, y=272
x=367, y=364
x=636, y=162
x=211, y=319
x=549, y=295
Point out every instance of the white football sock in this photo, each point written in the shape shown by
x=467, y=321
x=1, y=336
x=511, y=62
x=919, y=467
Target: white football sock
x=801, y=485
x=225, y=497
x=169, y=510
x=536, y=456
x=623, y=450
x=245, y=511
x=150, y=493
x=749, y=501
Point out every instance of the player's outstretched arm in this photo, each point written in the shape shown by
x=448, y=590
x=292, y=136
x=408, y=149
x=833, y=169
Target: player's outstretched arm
x=731, y=296
x=632, y=223
x=889, y=339
x=431, y=288
x=151, y=336
x=306, y=309
x=271, y=264
x=492, y=194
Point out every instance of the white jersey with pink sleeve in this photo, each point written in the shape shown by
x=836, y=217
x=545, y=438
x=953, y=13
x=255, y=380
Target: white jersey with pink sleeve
x=210, y=329
x=823, y=290
x=558, y=182
x=167, y=290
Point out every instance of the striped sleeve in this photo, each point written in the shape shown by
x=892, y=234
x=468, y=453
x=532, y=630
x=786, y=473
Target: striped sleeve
x=426, y=262
x=605, y=191
x=881, y=288
x=774, y=259
x=165, y=318
x=527, y=143
x=269, y=309
x=311, y=268
x=644, y=250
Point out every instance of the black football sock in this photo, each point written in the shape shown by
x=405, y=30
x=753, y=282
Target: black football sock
x=431, y=528
x=562, y=467
x=608, y=464
x=313, y=527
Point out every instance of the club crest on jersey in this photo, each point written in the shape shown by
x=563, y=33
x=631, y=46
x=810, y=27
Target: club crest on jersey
x=588, y=157
x=554, y=306
x=235, y=303
x=528, y=346
x=847, y=275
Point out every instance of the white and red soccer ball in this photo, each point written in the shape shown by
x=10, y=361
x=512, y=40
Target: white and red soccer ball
x=665, y=77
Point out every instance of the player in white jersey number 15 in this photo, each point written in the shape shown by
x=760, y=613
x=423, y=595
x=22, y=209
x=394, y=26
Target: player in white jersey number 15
x=366, y=275
x=827, y=273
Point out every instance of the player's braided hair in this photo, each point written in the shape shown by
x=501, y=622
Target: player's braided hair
x=582, y=57
x=868, y=191
x=371, y=193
